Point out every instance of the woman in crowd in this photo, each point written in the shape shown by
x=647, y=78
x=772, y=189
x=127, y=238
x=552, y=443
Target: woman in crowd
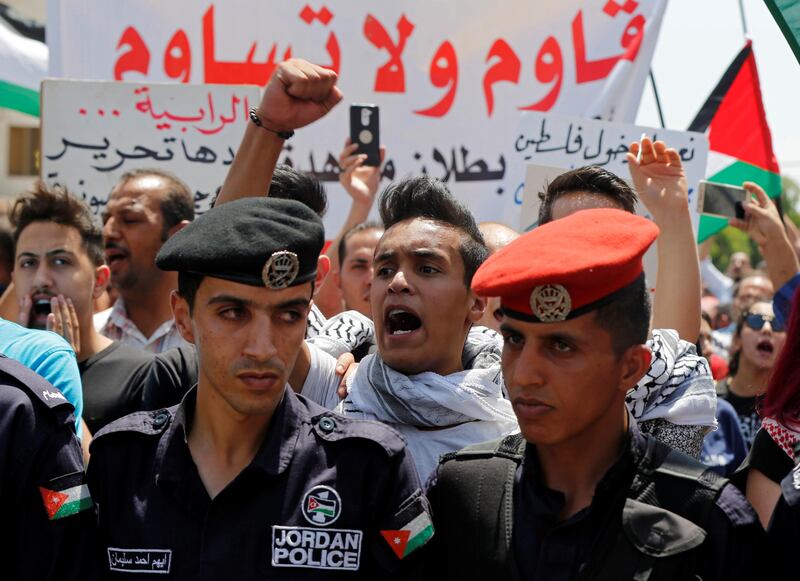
x=756, y=343
x=773, y=453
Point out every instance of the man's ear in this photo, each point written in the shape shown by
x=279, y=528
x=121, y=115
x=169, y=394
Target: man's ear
x=323, y=268
x=635, y=364
x=101, y=276
x=177, y=228
x=183, y=320
x=477, y=308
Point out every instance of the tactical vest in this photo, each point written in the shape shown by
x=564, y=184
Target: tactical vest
x=664, y=515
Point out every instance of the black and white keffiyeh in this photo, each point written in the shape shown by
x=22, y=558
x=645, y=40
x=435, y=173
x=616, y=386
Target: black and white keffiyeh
x=678, y=387
x=344, y=333
x=316, y=320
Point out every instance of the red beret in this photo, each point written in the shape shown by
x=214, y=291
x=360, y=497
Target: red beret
x=567, y=267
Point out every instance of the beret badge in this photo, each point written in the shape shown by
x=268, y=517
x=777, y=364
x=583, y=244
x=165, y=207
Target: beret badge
x=550, y=303
x=280, y=270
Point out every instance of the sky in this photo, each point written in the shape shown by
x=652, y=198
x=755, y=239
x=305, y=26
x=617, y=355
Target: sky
x=698, y=40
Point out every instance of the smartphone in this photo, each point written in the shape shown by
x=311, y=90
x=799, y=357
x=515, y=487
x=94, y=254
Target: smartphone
x=721, y=200
x=364, y=130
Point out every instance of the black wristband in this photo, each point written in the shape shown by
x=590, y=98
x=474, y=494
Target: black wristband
x=257, y=121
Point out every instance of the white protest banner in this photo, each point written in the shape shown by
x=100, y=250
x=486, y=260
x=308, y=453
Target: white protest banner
x=93, y=132
x=450, y=77
x=569, y=142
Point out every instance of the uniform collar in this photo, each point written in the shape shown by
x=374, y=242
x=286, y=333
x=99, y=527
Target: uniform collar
x=550, y=502
x=272, y=458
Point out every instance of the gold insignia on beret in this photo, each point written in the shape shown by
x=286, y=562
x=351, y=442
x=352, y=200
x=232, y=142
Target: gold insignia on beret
x=550, y=303
x=280, y=270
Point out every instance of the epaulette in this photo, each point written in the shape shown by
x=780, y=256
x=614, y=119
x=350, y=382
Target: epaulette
x=38, y=388
x=511, y=447
x=151, y=423
x=333, y=427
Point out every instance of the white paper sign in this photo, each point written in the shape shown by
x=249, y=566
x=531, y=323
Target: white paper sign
x=93, y=132
x=569, y=142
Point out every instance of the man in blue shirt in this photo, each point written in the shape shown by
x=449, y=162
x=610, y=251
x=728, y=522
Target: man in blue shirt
x=50, y=356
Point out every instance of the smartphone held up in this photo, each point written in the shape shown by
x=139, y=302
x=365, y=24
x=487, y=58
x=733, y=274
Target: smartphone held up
x=365, y=131
x=722, y=200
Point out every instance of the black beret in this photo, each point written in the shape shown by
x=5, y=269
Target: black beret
x=256, y=241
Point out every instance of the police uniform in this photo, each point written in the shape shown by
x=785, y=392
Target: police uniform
x=324, y=496
x=48, y=523
x=656, y=513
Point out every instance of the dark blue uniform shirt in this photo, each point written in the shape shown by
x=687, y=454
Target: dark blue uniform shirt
x=48, y=523
x=324, y=497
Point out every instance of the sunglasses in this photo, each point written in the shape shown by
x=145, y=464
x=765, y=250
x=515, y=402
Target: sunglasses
x=756, y=322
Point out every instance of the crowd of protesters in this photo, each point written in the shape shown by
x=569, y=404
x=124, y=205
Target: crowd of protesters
x=219, y=371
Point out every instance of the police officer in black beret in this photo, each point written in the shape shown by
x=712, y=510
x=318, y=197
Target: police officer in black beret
x=245, y=479
x=48, y=523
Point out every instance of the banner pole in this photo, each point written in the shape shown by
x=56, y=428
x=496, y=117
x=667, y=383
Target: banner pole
x=658, y=100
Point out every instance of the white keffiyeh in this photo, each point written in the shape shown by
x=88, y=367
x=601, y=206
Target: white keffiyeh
x=427, y=400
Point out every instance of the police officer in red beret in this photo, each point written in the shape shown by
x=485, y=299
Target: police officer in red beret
x=581, y=493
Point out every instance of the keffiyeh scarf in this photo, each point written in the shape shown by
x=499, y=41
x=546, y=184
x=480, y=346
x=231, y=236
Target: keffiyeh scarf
x=678, y=387
x=781, y=435
x=426, y=400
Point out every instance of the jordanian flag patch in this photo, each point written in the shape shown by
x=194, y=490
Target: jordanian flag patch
x=411, y=537
x=62, y=503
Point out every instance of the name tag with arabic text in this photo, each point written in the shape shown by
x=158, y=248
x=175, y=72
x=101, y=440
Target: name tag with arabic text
x=139, y=560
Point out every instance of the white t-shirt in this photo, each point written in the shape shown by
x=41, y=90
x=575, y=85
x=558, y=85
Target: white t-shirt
x=321, y=382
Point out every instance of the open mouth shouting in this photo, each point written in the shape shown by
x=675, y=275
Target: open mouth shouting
x=765, y=347
x=400, y=321
x=40, y=308
x=115, y=256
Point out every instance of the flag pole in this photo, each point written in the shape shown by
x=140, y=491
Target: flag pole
x=744, y=20
x=658, y=100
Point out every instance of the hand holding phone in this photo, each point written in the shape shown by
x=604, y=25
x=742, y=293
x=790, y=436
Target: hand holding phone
x=723, y=200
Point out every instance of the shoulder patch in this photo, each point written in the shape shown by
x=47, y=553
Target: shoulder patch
x=150, y=423
x=333, y=427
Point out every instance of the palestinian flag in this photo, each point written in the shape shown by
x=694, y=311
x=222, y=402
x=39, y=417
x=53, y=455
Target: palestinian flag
x=23, y=62
x=61, y=503
x=411, y=537
x=740, y=144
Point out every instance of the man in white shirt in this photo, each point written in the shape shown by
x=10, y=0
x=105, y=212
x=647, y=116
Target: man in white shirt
x=144, y=209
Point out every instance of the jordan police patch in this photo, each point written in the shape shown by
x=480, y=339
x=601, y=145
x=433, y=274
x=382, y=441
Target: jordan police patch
x=321, y=505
